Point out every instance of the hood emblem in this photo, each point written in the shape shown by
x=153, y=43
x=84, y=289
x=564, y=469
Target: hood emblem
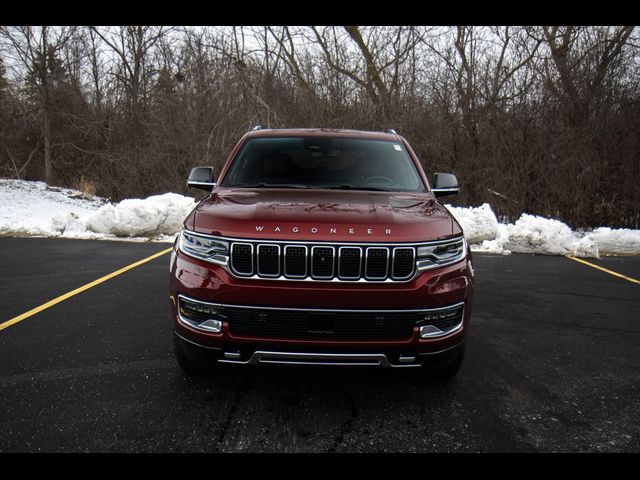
x=330, y=230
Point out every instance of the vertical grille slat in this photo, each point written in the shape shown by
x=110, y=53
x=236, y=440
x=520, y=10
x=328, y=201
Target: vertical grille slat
x=322, y=259
x=349, y=262
x=268, y=260
x=377, y=260
x=242, y=258
x=323, y=262
x=403, y=263
x=295, y=261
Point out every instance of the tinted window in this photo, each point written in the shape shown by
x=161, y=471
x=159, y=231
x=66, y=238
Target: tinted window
x=323, y=162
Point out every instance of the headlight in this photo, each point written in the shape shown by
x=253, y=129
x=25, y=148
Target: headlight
x=441, y=253
x=210, y=249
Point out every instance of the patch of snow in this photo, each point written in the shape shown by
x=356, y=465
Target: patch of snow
x=153, y=216
x=618, y=241
x=534, y=234
x=479, y=223
x=34, y=209
x=28, y=208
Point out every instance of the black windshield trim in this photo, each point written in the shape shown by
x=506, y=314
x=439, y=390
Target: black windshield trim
x=423, y=186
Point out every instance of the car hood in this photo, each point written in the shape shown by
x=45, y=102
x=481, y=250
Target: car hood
x=323, y=215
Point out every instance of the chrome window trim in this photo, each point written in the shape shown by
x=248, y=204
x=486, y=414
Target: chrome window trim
x=333, y=263
x=306, y=261
x=446, y=190
x=204, y=184
x=340, y=276
x=413, y=262
x=266, y=275
x=232, y=268
x=366, y=261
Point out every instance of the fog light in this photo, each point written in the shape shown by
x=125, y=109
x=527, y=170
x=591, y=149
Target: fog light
x=191, y=307
x=441, y=321
x=427, y=331
x=211, y=326
x=199, y=316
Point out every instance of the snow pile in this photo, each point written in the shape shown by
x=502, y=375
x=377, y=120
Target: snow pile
x=153, y=216
x=620, y=241
x=496, y=245
x=33, y=208
x=534, y=234
x=27, y=208
x=479, y=223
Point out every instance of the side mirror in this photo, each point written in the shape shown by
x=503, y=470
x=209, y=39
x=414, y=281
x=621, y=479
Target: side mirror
x=202, y=178
x=445, y=184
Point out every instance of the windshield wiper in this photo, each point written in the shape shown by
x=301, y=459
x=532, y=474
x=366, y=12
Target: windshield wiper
x=346, y=186
x=270, y=185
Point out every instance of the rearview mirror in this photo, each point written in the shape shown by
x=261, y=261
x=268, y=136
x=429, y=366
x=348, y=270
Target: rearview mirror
x=202, y=178
x=445, y=184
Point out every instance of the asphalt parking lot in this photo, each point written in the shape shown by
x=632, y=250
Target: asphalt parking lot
x=552, y=364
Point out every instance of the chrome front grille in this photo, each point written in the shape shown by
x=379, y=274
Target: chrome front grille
x=349, y=263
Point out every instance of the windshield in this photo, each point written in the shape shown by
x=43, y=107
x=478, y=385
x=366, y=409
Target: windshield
x=324, y=162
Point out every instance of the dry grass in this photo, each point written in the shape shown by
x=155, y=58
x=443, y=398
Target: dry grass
x=87, y=187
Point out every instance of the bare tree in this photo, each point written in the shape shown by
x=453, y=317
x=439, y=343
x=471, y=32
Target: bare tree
x=131, y=45
x=35, y=48
x=538, y=119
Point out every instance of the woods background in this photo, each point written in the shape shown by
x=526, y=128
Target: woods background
x=544, y=120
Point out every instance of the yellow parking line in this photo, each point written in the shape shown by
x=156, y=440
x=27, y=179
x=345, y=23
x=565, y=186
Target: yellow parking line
x=70, y=294
x=610, y=272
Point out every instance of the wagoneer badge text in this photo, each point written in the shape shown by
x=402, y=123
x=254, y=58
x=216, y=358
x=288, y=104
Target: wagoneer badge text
x=314, y=230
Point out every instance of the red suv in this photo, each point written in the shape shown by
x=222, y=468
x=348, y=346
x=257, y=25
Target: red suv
x=321, y=247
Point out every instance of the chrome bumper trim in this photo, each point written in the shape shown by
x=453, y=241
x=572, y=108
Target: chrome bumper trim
x=332, y=359
x=337, y=310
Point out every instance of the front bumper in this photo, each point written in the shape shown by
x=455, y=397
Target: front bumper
x=386, y=358
x=207, y=282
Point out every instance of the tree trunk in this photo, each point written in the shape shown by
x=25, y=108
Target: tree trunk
x=46, y=121
x=46, y=132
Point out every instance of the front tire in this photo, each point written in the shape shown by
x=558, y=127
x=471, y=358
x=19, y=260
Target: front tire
x=449, y=368
x=188, y=364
